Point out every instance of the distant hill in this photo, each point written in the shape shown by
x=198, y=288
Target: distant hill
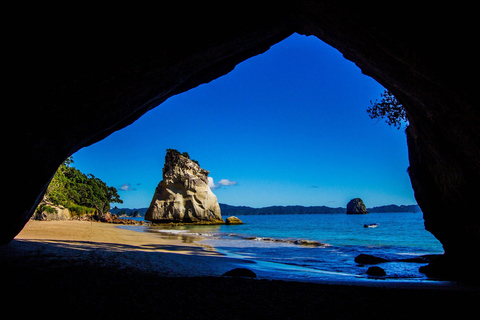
x=126, y=212
x=228, y=210
x=395, y=208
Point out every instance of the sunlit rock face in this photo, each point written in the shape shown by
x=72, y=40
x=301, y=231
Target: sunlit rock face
x=183, y=196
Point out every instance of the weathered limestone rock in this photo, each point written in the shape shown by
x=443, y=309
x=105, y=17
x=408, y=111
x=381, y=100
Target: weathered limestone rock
x=356, y=206
x=183, y=196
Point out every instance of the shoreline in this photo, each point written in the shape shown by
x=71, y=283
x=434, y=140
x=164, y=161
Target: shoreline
x=102, y=270
x=173, y=254
x=294, y=273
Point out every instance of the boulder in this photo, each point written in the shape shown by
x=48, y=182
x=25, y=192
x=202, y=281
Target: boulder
x=183, y=196
x=369, y=259
x=356, y=206
x=48, y=211
x=233, y=220
x=240, y=272
x=376, y=272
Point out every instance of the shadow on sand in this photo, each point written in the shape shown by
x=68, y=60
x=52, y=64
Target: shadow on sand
x=78, y=279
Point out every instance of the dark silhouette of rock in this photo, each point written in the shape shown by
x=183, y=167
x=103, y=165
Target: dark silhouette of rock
x=369, y=259
x=240, y=272
x=376, y=272
x=356, y=206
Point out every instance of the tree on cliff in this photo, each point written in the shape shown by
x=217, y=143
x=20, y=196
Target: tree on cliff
x=185, y=154
x=388, y=108
x=70, y=187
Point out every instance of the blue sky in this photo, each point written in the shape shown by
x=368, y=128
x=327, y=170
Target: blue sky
x=288, y=127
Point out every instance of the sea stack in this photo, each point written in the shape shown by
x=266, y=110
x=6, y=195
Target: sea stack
x=183, y=196
x=356, y=206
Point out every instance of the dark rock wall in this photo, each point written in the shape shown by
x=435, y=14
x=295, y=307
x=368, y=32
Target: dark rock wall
x=424, y=56
x=77, y=77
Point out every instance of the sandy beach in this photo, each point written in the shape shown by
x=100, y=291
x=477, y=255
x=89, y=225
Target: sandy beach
x=81, y=269
x=113, y=246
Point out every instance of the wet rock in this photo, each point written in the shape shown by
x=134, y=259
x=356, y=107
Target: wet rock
x=376, y=272
x=369, y=259
x=308, y=243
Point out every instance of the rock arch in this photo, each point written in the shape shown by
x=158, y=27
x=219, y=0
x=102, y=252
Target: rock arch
x=74, y=80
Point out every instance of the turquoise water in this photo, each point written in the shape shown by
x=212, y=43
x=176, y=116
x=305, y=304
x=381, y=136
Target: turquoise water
x=271, y=242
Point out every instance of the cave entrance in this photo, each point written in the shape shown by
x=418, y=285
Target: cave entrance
x=287, y=127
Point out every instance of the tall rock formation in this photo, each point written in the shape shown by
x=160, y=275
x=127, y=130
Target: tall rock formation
x=356, y=206
x=183, y=195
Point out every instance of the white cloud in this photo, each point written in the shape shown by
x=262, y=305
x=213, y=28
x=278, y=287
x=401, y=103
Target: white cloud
x=211, y=184
x=127, y=187
x=223, y=182
x=226, y=182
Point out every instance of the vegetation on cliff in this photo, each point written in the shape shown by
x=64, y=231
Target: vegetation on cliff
x=185, y=154
x=80, y=193
x=389, y=109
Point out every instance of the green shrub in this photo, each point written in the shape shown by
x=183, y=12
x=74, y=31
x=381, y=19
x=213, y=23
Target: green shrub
x=185, y=154
x=45, y=208
x=78, y=210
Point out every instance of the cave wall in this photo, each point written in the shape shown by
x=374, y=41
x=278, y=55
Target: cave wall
x=425, y=57
x=78, y=76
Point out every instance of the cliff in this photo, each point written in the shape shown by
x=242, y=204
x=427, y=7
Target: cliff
x=183, y=196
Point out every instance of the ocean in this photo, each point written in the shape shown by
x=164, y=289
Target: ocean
x=273, y=244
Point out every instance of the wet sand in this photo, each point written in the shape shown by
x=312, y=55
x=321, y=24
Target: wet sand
x=73, y=269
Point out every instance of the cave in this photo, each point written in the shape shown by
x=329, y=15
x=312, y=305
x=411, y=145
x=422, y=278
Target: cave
x=76, y=77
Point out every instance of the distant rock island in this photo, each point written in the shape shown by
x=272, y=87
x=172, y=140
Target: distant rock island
x=356, y=206
x=183, y=196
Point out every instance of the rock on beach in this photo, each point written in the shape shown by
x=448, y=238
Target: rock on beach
x=233, y=220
